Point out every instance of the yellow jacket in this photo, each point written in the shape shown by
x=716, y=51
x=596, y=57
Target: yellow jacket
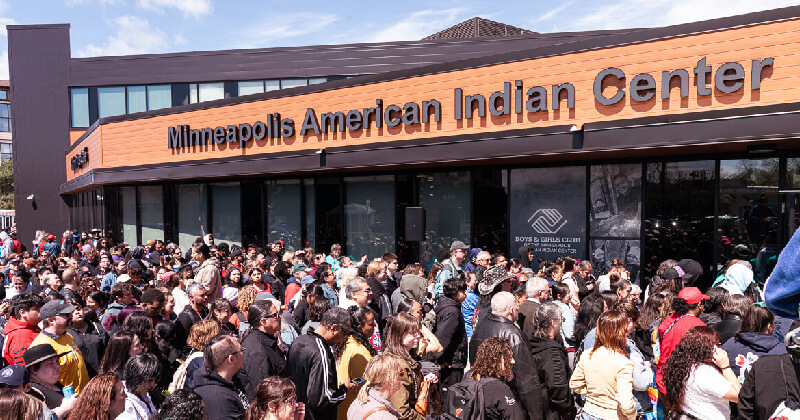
x=352, y=364
x=73, y=368
x=605, y=378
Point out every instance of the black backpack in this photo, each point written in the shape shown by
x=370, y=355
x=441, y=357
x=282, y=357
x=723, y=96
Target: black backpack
x=465, y=399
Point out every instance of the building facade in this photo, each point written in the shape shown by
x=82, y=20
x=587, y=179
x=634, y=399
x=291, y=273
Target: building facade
x=637, y=145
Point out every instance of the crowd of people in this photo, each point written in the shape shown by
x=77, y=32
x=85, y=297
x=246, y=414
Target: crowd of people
x=94, y=330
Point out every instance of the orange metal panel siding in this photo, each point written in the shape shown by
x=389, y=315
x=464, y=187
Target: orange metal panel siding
x=95, y=144
x=144, y=141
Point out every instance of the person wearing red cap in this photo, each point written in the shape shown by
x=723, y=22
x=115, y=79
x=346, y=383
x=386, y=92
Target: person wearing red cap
x=686, y=307
x=52, y=247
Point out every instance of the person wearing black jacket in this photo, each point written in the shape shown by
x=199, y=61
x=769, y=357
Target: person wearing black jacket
x=500, y=323
x=312, y=367
x=262, y=356
x=217, y=381
x=552, y=363
x=90, y=339
x=451, y=332
x=194, y=312
x=772, y=380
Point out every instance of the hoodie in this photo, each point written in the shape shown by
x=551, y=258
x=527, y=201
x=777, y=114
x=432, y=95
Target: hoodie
x=748, y=347
x=523, y=256
x=737, y=278
x=224, y=399
x=473, y=253
x=19, y=335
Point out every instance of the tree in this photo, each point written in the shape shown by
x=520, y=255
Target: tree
x=6, y=185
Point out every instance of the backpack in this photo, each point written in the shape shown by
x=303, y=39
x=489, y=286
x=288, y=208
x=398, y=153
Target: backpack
x=179, y=378
x=465, y=399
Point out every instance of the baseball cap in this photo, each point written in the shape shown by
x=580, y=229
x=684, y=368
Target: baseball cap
x=14, y=375
x=264, y=296
x=306, y=280
x=674, y=273
x=458, y=245
x=299, y=267
x=692, y=268
x=55, y=307
x=692, y=295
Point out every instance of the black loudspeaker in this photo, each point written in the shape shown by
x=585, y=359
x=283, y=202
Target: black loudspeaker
x=415, y=224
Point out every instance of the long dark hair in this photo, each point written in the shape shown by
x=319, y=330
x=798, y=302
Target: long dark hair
x=258, y=311
x=140, y=323
x=695, y=348
x=117, y=352
x=650, y=311
x=358, y=319
x=182, y=404
x=590, y=310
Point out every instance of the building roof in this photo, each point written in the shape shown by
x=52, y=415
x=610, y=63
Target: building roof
x=477, y=28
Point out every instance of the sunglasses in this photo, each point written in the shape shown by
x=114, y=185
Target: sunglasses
x=276, y=315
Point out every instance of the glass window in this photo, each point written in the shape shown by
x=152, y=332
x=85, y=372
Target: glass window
x=79, y=107
x=615, y=219
x=128, y=205
x=226, y=211
x=317, y=80
x=192, y=203
x=211, y=91
x=548, y=212
x=110, y=101
x=748, y=219
x=151, y=204
x=290, y=83
x=159, y=96
x=3, y=94
x=284, y=213
x=251, y=87
x=270, y=85
x=793, y=173
x=445, y=196
x=5, y=117
x=137, y=99
x=5, y=151
x=311, y=227
x=193, y=93
x=679, y=203
x=369, y=214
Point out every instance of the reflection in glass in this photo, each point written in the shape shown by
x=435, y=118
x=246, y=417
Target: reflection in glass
x=226, y=208
x=151, y=204
x=679, y=215
x=369, y=214
x=159, y=96
x=615, y=192
x=128, y=206
x=284, y=214
x=251, y=87
x=110, y=101
x=192, y=202
x=137, y=99
x=793, y=173
x=748, y=217
x=445, y=196
x=79, y=106
x=311, y=227
x=604, y=251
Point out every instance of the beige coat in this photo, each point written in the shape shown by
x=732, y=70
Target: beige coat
x=605, y=378
x=210, y=276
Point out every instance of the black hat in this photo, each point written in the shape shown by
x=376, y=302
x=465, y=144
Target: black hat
x=674, y=273
x=38, y=354
x=492, y=277
x=14, y=375
x=692, y=268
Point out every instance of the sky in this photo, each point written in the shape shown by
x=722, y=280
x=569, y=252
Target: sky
x=124, y=27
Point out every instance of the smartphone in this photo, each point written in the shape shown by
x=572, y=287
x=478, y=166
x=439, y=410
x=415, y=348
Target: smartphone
x=357, y=381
